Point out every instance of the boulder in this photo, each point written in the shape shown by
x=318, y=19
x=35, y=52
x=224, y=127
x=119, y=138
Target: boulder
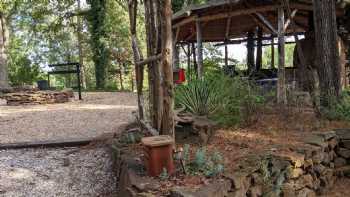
x=345, y=144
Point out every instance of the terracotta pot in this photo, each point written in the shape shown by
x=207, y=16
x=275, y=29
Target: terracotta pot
x=158, y=154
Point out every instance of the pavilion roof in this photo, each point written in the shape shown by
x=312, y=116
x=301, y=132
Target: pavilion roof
x=229, y=19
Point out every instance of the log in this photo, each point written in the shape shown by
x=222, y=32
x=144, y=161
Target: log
x=48, y=144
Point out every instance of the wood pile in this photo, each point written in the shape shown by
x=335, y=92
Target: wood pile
x=37, y=97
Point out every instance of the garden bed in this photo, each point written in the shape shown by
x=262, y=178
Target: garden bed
x=272, y=161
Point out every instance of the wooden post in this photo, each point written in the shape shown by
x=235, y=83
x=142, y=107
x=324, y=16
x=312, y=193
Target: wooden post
x=272, y=52
x=168, y=124
x=195, y=66
x=189, y=70
x=281, y=84
x=226, y=55
x=199, y=49
x=250, y=52
x=259, y=49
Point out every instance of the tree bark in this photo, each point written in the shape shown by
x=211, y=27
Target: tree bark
x=327, y=50
x=132, y=6
x=281, y=84
x=80, y=47
x=153, y=32
x=4, y=37
x=121, y=71
x=168, y=127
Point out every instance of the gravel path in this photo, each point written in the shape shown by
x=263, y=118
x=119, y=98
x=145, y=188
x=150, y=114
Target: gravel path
x=99, y=113
x=56, y=172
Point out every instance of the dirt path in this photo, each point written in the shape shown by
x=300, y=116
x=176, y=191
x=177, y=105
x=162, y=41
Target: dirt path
x=97, y=114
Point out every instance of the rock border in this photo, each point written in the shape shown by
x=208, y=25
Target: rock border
x=304, y=171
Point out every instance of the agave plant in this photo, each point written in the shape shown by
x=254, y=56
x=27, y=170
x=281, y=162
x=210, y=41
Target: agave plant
x=199, y=97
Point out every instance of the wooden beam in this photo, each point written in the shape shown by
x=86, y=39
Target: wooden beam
x=228, y=25
x=48, y=144
x=149, y=60
x=266, y=22
x=290, y=18
x=226, y=15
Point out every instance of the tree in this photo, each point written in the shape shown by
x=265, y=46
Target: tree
x=327, y=50
x=4, y=37
x=97, y=19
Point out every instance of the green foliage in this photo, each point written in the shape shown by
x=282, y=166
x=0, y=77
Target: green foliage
x=200, y=97
x=229, y=101
x=97, y=20
x=340, y=109
x=203, y=163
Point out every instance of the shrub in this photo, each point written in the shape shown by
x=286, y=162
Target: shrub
x=229, y=101
x=340, y=109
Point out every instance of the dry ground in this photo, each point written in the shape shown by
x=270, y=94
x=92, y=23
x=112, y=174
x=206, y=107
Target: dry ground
x=97, y=114
x=56, y=172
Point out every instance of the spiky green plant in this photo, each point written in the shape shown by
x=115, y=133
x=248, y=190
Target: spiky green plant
x=199, y=97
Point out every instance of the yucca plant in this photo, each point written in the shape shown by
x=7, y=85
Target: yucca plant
x=199, y=97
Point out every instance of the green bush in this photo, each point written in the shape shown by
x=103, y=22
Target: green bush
x=228, y=101
x=340, y=109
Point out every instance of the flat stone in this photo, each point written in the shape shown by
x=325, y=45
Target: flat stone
x=328, y=135
x=316, y=140
x=345, y=144
x=295, y=158
x=343, y=134
x=339, y=162
x=343, y=152
x=181, y=192
x=343, y=171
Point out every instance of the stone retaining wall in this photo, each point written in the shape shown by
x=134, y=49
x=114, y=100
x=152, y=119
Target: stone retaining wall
x=306, y=170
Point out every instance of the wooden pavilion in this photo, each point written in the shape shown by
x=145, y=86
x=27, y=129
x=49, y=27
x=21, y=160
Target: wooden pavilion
x=244, y=21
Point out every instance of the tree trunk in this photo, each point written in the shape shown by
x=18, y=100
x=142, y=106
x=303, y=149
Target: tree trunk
x=168, y=126
x=155, y=70
x=281, y=84
x=4, y=36
x=121, y=69
x=80, y=47
x=132, y=6
x=327, y=50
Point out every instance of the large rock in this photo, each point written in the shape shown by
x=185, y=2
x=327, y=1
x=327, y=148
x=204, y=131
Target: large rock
x=346, y=144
